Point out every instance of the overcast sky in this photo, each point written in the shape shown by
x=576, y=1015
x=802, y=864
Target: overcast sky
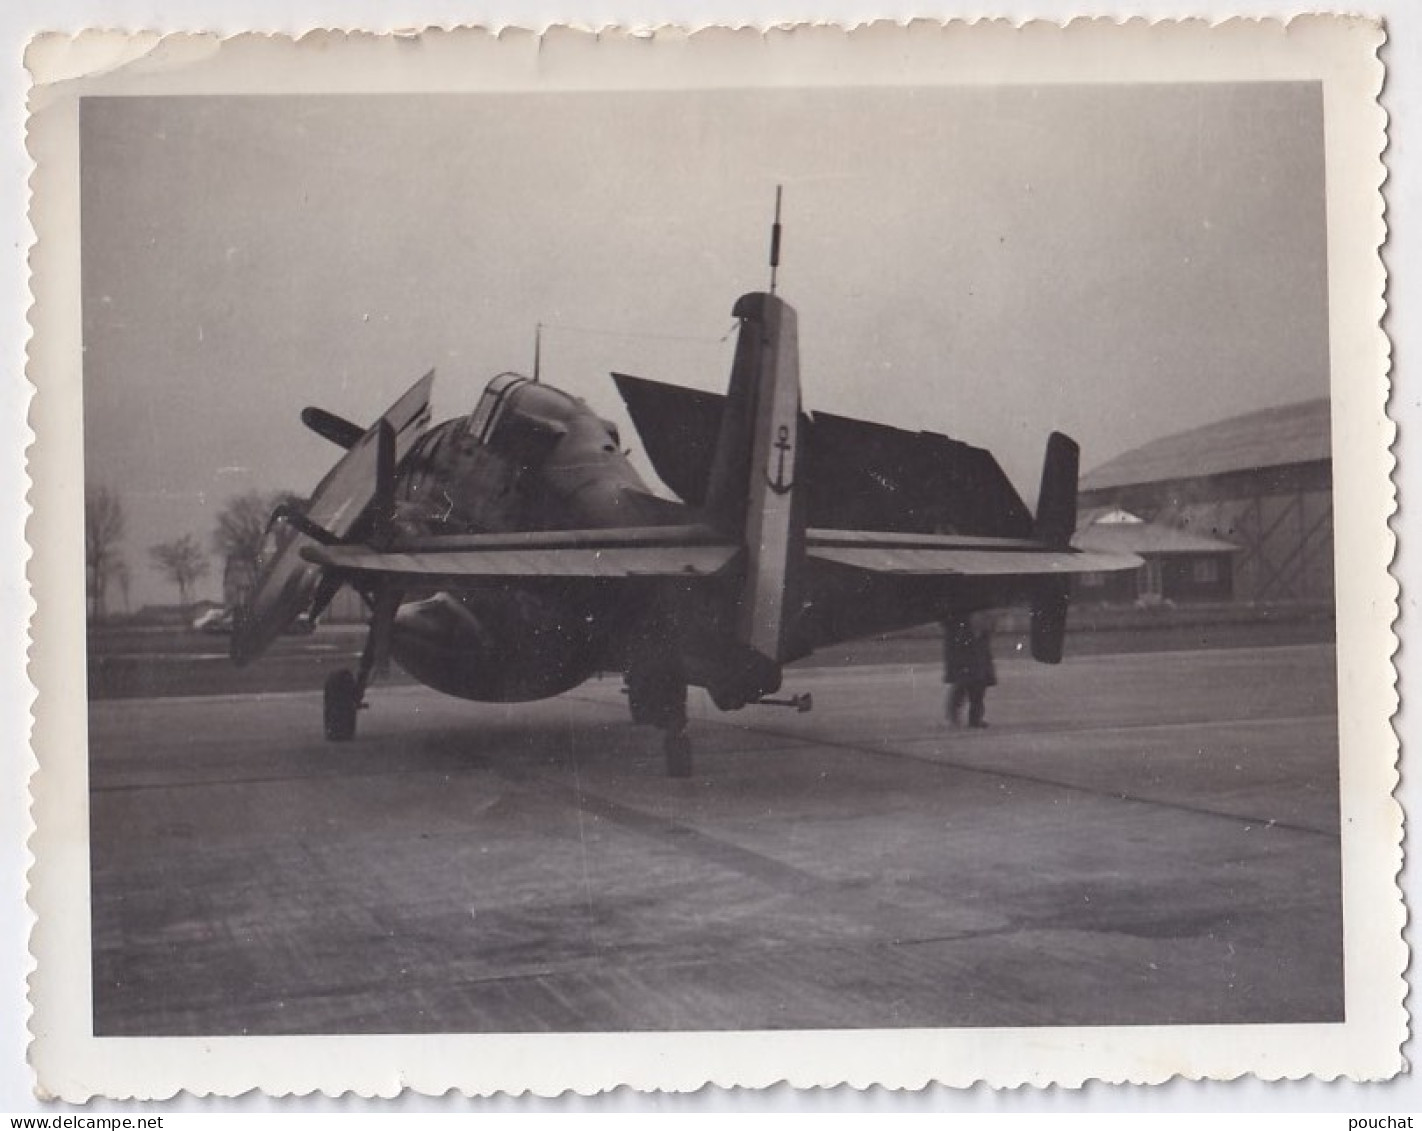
x=993, y=263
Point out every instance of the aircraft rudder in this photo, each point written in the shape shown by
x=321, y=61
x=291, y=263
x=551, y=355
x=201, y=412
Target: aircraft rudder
x=754, y=492
x=729, y=476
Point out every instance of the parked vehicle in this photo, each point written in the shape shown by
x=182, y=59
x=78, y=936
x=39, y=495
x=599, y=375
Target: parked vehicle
x=218, y=622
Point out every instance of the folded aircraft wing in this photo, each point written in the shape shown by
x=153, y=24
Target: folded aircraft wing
x=681, y=551
x=951, y=554
x=856, y=473
x=287, y=581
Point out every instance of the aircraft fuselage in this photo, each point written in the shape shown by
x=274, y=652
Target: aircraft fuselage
x=512, y=553
x=528, y=458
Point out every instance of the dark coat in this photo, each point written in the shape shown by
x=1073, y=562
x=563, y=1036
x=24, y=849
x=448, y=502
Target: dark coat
x=967, y=652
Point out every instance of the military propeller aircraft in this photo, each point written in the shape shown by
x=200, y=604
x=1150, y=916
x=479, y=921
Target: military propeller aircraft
x=513, y=553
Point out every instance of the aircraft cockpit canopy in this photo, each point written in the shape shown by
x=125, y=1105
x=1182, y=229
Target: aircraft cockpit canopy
x=492, y=404
x=520, y=415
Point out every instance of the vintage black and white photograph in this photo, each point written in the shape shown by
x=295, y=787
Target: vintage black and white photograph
x=795, y=557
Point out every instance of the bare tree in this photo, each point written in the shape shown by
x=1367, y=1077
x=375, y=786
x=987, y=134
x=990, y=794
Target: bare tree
x=124, y=576
x=182, y=561
x=103, y=531
x=241, y=525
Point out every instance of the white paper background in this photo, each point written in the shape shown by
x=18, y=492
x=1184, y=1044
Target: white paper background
x=1403, y=57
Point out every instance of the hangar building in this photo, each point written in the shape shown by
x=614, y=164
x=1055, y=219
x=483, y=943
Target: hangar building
x=1179, y=564
x=1253, y=493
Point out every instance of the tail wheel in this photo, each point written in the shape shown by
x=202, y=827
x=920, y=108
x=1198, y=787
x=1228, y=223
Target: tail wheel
x=342, y=702
x=678, y=751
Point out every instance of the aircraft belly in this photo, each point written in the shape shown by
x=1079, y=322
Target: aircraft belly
x=496, y=646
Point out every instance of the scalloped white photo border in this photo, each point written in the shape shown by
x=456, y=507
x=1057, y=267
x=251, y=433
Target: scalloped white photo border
x=1340, y=53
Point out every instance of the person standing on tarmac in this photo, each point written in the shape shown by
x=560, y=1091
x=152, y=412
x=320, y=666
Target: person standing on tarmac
x=967, y=666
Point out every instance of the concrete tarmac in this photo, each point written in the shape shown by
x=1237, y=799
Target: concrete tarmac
x=1142, y=839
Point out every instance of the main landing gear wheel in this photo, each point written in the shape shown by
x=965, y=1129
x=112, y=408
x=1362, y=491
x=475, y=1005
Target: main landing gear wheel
x=678, y=751
x=342, y=703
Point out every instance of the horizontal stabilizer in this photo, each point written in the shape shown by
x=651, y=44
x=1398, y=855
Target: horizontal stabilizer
x=954, y=554
x=453, y=566
x=969, y=562
x=651, y=551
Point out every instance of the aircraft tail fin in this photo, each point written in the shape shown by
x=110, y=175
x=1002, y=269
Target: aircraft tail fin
x=752, y=493
x=1055, y=525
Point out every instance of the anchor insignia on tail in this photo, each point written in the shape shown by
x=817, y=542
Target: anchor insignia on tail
x=782, y=445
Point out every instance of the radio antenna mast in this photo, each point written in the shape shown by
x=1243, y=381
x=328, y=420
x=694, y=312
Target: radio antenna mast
x=537, y=349
x=775, y=240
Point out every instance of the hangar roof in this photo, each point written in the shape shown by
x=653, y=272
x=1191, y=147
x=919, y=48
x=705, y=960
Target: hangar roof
x=1273, y=437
